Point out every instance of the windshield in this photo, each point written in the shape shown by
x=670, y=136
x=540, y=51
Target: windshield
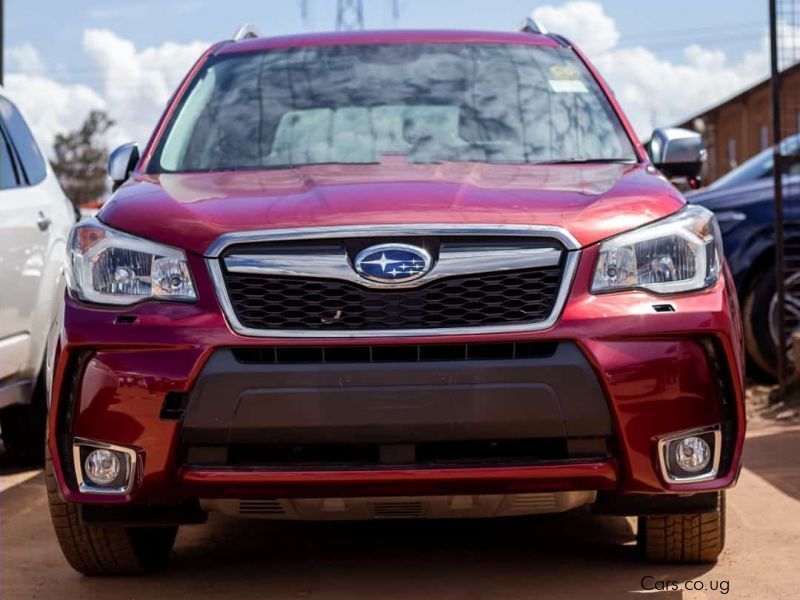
x=758, y=167
x=427, y=102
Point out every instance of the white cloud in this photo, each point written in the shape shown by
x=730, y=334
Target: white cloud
x=581, y=21
x=26, y=59
x=653, y=91
x=49, y=106
x=135, y=85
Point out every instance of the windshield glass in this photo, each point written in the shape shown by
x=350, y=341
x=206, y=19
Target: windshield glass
x=427, y=102
x=758, y=167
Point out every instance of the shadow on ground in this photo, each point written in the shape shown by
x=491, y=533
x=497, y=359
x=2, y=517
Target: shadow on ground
x=775, y=458
x=561, y=556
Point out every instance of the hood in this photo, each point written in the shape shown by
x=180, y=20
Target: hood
x=190, y=211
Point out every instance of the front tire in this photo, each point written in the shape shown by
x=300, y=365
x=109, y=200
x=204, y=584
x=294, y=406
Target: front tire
x=687, y=539
x=106, y=551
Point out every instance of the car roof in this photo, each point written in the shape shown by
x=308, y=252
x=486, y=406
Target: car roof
x=387, y=37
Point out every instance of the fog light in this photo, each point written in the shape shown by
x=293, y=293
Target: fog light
x=692, y=454
x=102, y=467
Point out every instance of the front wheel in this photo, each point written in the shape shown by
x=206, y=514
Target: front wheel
x=106, y=551
x=691, y=538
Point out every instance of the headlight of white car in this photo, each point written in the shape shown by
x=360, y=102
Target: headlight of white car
x=678, y=254
x=106, y=266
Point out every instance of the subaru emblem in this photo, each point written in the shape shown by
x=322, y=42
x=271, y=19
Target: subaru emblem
x=392, y=263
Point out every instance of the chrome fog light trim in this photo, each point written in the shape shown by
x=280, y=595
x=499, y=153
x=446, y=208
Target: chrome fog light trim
x=127, y=457
x=668, y=444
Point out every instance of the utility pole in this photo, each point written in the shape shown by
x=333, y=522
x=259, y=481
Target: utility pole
x=303, y=12
x=775, y=85
x=349, y=15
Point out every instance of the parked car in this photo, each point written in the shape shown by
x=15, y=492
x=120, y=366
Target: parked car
x=35, y=219
x=744, y=202
x=394, y=275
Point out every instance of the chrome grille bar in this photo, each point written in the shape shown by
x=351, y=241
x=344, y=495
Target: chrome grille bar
x=421, y=229
x=335, y=265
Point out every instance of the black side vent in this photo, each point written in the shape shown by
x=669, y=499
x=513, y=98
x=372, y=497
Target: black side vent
x=726, y=396
x=70, y=396
x=174, y=405
x=662, y=308
x=399, y=353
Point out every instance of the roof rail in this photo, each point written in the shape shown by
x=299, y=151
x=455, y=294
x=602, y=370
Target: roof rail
x=560, y=39
x=245, y=32
x=530, y=25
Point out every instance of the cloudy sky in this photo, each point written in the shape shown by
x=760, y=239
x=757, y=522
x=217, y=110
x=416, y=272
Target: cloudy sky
x=665, y=60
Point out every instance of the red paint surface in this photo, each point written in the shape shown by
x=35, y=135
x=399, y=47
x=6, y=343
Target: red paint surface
x=652, y=369
x=650, y=365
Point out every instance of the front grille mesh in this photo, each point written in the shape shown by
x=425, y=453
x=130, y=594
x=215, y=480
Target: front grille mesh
x=270, y=302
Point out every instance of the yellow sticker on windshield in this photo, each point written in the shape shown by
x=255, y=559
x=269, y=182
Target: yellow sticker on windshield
x=562, y=72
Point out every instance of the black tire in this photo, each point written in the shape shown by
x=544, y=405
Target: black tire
x=106, y=551
x=756, y=315
x=687, y=539
x=23, y=429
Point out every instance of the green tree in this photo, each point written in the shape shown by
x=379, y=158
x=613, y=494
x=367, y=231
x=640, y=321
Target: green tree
x=80, y=159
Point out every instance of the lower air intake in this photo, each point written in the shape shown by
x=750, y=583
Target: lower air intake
x=398, y=510
x=269, y=506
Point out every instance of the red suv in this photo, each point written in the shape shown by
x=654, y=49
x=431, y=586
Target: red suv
x=394, y=275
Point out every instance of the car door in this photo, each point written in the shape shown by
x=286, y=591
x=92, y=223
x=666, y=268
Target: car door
x=25, y=230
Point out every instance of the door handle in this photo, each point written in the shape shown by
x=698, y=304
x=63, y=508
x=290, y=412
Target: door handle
x=43, y=222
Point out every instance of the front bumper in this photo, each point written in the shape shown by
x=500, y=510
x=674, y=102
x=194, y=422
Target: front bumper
x=656, y=373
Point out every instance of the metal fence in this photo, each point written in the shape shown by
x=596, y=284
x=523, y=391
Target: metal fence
x=785, y=306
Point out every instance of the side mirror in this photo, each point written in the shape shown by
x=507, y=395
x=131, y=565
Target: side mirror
x=678, y=153
x=122, y=162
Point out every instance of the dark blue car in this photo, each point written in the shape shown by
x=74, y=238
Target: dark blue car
x=744, y=202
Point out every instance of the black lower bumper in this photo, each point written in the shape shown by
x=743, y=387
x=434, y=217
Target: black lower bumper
x=401, y=410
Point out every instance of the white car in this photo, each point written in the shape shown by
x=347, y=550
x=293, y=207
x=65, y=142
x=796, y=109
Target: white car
x=35, y=219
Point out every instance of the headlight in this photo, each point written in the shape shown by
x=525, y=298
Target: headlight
x=110, y=267
x=677, y=254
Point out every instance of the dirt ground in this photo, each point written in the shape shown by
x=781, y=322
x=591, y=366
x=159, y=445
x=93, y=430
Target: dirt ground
x=575, y=555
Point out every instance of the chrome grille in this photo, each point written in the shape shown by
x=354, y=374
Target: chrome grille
x=302, y=283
